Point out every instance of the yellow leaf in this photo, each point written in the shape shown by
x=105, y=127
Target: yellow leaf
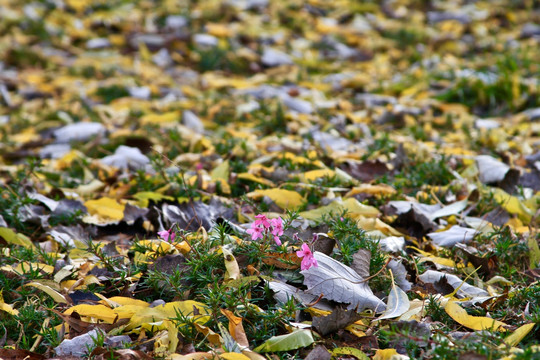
x=183, y=247
x=11, y=237
x=379, y=189
x=88, y=189
x=162, y=340
x=59, y=298
x=285, y=199
x=317, y=174
x=106, y=208
x=25, y=267
x=220, y=175
x=221, y=172
x=122, y=300
x=438, y=260
x=515, y=338
x=127, y=311
x=251, y=177
x=172, y=331
x=78, y=5
x=386, y=354
x=99, y=312
x=168, y=117
x=215, y=339
x=373, y=224
x=233, y=356
x=295, y=159
x=8, y=308
x=233, y=271
x=318, y=312
x=144, y=198
x=351, y=206
x=218, y=30
x=357, y=330
x=434, y=259
x=460, y=315
x=512, y=204
x=189, y=308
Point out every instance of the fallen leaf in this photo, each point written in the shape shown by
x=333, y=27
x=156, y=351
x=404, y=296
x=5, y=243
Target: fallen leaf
x=106, y=208
x=295, y=340
x=519, y=334
x=99, y=312
x=11, y=237
x=335, y=281
x=233, y=271
x=465, y=290
x=236, y=329
x=460, y=315
x=350, y=351
x=59, y=298
x=352, y=206
x=285, y=199
x=456, y=234
x=338, y=319
x=397, y=304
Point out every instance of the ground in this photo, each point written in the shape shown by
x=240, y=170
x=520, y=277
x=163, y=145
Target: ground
x=269, y=179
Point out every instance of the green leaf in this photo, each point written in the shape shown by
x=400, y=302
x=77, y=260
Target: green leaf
x=292, y=341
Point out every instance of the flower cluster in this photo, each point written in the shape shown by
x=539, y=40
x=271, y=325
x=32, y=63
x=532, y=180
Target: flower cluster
x=266, y=227
x=263, y=228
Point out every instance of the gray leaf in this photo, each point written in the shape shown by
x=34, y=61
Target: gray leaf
x=338, y=319
x=360, y=263
x=336, y=281
x=456, y=234
x=465, y=290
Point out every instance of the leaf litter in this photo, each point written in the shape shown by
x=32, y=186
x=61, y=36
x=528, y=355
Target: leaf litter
x=393, y=145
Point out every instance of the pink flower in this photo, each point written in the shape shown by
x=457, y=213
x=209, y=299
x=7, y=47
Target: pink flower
x=277, y=226
x=277, y=240
x=262, y=220
x=256, y=232
x=167, y=235
x=308, y=258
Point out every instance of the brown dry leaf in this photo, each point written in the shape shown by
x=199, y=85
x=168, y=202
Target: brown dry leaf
x=236, y=329
x=282, y=261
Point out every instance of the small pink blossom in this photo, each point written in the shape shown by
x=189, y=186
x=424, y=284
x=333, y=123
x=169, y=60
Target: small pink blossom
x=262, y=220
x=277, y=226
x=167, y=235
x=308, y=258
x=277, y=240
x=256, y=232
